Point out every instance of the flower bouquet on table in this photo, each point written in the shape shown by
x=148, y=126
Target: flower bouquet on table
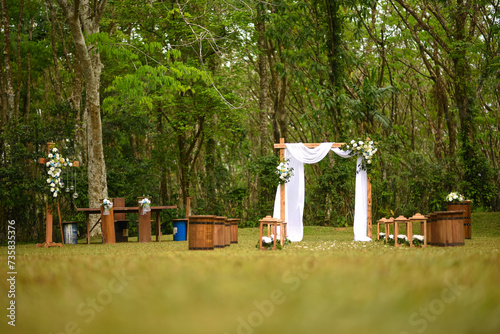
x=145, y=204
x=284, y=171
x=362, y=148
x=106, y=205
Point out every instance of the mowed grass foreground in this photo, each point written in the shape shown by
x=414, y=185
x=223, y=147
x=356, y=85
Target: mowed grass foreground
x=324, y=284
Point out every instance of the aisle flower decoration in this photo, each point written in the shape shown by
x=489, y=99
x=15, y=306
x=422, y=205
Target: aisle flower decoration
x=362, y=148
x=418, y=240
x=145, y=204
x=455, y=197
x=107, y=205
x=403, y=239
x=54, y=164
x=268, y=242
x=284, y=171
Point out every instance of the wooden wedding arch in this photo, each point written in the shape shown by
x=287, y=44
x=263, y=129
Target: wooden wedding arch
x=282, y=146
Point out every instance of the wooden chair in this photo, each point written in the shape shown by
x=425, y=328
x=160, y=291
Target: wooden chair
x=121, y=223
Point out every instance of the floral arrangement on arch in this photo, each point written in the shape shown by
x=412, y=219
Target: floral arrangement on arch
x=54, y=163
x=284, y=171
x=362, y=148
x=455, y=197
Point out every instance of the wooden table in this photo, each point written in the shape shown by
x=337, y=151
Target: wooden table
x=129, y=209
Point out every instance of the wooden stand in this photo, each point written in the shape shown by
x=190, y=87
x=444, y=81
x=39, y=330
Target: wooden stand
x=49, y=219
x=423, y=225
x=144, y=225
x=387, y=227
x=409, y=232
x=273, y=224
x=48, y=231
x=108, y=226
x=270, y=222
x=380, y=222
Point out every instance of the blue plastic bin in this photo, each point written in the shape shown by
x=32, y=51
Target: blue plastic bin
x=180, y=229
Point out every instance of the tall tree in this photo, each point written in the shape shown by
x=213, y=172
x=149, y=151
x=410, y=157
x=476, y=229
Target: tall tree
x=10, y=93
x=83, y=17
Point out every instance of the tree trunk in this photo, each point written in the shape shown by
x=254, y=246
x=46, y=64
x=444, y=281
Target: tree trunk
x=84, y=19
x=263, y=80
x=334, y=53
x=17, y=97
x=28, y=70
x=82, y=118
x=8, y=68
x=51, y=17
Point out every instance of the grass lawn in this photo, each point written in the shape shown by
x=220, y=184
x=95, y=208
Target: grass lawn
x=324, y=284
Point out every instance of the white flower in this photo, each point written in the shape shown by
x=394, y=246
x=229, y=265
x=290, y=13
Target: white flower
x=353, y=141
x=360, y=142
x=402, y=236
x=368, y=161
x=70, y=164
x=347, y=146
x=52, y=190
x=57, y=156
x=47, y=164
x=54, y=150
x=49, y=180
x=418, y=237
x=382, y=234
x=266, y=240
x=50, y=156
x=145, y=201
x=354, y=145
x=55, y=194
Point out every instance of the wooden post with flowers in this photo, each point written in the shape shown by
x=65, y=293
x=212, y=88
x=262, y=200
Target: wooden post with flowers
x=144, y=219
x=55, y=163
x=107, y=221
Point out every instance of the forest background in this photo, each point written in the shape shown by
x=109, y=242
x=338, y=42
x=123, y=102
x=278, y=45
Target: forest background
x=177, y=99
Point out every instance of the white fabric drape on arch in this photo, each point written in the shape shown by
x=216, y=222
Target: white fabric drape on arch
x=298, y=154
